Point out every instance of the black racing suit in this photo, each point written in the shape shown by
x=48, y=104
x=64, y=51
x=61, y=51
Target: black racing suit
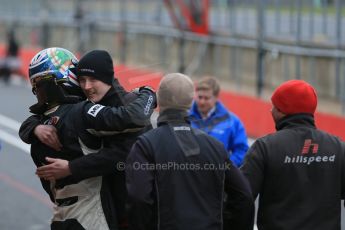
x=82, y=201
x=177, y=177
x=299, y=174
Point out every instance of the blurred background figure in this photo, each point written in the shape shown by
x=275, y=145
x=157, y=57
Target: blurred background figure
x=11, y=64
x=212, y=117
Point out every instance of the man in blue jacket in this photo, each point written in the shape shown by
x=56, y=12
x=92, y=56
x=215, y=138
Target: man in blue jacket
x=211, y=116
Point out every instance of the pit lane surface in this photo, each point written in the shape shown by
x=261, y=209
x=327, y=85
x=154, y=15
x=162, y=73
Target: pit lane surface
x=23, y=203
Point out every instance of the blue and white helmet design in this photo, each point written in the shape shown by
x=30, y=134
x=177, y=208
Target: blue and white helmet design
x=58, y=62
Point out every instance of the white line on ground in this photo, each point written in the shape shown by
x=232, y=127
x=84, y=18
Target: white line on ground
x=14, y=141
x=9, y=123
x=9, y=138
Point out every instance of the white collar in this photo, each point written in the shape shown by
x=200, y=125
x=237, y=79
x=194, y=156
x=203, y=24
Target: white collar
x=209, y=113
x=52, y=110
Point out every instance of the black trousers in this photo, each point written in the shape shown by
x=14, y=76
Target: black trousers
x=71, y=224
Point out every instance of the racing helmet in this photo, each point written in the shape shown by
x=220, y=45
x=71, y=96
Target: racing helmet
x=57, y=63
x=52, y=74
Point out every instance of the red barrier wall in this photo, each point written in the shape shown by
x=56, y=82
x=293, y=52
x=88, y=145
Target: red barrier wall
x=254, y=112
x=258, y=121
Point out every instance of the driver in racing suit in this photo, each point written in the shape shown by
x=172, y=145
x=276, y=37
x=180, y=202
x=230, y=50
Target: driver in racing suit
x=78, y=204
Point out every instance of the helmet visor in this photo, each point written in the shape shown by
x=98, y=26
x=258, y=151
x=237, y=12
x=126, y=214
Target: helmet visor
x=37, y=81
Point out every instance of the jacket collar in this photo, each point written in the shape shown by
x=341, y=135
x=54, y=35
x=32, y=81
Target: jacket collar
x=185, y=138
x=172, y=116
x=296, y=120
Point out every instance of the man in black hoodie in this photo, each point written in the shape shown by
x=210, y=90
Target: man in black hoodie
x=299, y=171
x=95, y=74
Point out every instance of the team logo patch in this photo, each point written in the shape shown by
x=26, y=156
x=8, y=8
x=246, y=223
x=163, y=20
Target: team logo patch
x=181, y=128
x=148, y=106
x=52, y=121
x=95, y=109
x=309, y=155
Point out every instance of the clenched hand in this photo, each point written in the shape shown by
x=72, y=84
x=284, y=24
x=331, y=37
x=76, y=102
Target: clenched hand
x=47, y=134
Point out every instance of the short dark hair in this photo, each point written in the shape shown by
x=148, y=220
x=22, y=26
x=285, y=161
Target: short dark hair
x=208, y=83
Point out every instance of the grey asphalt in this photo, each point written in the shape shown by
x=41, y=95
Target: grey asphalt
x=23, y=203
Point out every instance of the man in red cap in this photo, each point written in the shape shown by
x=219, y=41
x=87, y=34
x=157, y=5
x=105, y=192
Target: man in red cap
x=299, y=171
